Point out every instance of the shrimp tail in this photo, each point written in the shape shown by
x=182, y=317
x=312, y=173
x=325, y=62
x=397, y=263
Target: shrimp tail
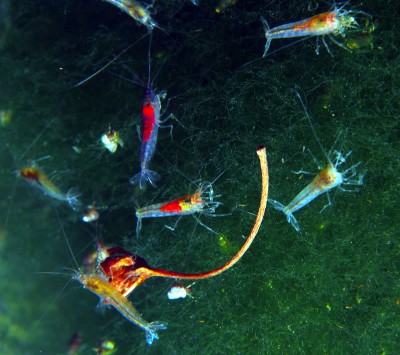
x=151, y=332
x=72, y=199
x=145, y=175
x=266, y=30
x=290, y=218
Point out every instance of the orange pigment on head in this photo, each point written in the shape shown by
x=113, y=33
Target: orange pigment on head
x=30, y=174
x=326, y=19
x=326, y=177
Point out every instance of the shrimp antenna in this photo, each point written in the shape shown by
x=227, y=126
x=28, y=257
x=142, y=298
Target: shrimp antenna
x=148, y=58
x=312, y=126
x=66, y=240
x=37, y=138
x=162, y=64
x=53, y=302
x=109, y=63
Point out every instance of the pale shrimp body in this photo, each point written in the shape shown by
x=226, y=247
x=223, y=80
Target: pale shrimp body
x=149, y=131
x=40, y=180
x=137, y=11
x=331, y=23
x=326, y=180
x=110, y=295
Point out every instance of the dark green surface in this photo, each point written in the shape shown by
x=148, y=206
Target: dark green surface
x=332, y=289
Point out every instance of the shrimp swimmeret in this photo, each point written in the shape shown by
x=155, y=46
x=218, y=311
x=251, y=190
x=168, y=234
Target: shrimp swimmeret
x=333, y=23
x=326, y=180
x=110, y=295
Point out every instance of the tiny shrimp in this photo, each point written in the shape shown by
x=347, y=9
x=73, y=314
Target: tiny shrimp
x=110, y=295
x=333, y=23
x=137, y=11
x=326, y=180
x=151, y=113
x=39, y=179
x=149, y=131
x=202, y=201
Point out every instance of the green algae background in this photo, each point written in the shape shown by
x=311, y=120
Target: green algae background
x=331, y=289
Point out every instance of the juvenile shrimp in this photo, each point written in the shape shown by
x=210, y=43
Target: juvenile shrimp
x=137, y=11
x=202, y=201
x=333, y=23
x=109, y=294
x=151, y=113
x=326, y=180
x=40, y=180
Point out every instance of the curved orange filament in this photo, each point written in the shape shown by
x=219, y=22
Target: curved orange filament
x=128, y=271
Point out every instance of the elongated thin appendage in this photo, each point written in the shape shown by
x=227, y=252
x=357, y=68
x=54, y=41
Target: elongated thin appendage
x=67, y=242
x=204, y=226
x=37, y=138
x=138, y=226
x=312, y=127
x=262, y=155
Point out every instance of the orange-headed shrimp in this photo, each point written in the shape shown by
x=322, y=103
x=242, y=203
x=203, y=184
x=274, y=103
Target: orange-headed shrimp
x=39, y=179
x=137, y=11
x=326, y=180
x=333, y=23
x=110, y=295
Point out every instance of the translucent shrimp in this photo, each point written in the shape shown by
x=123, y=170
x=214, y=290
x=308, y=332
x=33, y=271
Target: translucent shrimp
x=326, y=180
x=333, y=23
x=150, y=123
x=39, y=179
x=137, y=11
x=202, y=201
x=110, y=295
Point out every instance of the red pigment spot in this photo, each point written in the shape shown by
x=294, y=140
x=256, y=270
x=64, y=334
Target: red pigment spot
x=148, y=122
x=173, y=206
x=30, y=174
x=331, y=18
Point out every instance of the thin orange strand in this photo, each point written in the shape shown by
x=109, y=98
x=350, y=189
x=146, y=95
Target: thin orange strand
x=262, y=154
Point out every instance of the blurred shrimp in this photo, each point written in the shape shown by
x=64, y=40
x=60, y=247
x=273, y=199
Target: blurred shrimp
x=40, y=180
